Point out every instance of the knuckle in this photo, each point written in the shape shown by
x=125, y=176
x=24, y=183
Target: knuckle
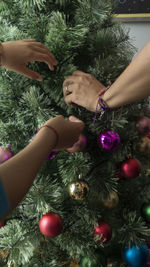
x=89, y=76
x=81, y=79
x=46, y=57
x=74, y=72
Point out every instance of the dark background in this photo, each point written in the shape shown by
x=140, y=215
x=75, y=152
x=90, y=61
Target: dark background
x=133, y=6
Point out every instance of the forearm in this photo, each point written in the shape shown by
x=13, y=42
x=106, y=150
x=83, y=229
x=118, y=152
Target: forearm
x=133, y=84
x=17, y=174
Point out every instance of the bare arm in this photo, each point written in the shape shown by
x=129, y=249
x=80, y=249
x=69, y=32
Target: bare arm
x=132, y=85
x=17, y=174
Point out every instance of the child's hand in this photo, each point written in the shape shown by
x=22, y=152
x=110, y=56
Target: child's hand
x=16, y=54
x=68, y=130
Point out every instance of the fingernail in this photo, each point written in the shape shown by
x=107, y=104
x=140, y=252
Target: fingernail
x=73, y=119
x=51, y=68
x=56, y=62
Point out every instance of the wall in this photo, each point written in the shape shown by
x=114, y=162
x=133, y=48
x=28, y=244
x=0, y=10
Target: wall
x=139, y=32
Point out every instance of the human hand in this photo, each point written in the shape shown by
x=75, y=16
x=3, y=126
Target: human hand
x=68, y=130
x=82, y=89
x=16, y=54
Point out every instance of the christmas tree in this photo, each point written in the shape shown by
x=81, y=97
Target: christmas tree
x=98, y=197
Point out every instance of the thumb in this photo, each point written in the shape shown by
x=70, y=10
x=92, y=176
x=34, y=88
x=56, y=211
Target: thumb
x=30, y=73
x=74, y=119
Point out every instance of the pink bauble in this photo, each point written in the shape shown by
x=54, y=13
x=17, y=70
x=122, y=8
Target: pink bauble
x=5, y=154
x=79, y=145
x=143, y=125
x=104, y=231
x=51, y=224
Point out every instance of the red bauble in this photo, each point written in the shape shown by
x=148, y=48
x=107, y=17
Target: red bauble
x=5, y=154
x=51, y=224
x=143, y=125
x=79, y=145
x=130, y=168
x=104, y=231
x=148, y=136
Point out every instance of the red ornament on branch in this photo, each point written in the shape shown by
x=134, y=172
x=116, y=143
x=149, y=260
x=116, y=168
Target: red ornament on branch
x=129, y=168
x=2, y=223
x=104, y=231
x=51, y=224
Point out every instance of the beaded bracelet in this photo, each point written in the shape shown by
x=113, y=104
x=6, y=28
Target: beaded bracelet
x=54, y=131
x=102, y=104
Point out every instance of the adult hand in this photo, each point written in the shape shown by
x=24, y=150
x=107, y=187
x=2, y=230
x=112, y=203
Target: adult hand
x=68, y=130
x=82, y=89
x=16, y=54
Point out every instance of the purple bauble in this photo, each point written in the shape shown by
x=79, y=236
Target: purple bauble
x=52, y=155
x=109, y=140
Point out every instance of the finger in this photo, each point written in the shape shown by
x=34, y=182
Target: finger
x=76, y=120
x=78, y=72
x=43, y=58
x=67, y=90
x=29, y=40
x=38, y=44
x=70, y=80
x=29, y=73
x=43, y=51
x=69, y=100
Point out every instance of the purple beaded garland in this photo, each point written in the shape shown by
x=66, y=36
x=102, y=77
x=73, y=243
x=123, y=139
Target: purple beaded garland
x=109, y=140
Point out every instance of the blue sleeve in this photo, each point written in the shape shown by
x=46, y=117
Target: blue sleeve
x=4, y=203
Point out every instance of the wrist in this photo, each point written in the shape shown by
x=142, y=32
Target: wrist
x=46, y=136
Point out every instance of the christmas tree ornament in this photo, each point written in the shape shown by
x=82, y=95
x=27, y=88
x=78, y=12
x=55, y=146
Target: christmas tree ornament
x=144, y=147
x=98, y=259
x=74, y=264
x=5, y=154
x=148, y=136
x=129, y=168
x=110, y=199
x=112, y=263
x=109, y=140
x=79, y=146
x=51, y=224
x=145, y=212
x=104, y=231
x=79, y=190
x=2, y=223
x=51, y=155
x=143, y=125
x=135, y=255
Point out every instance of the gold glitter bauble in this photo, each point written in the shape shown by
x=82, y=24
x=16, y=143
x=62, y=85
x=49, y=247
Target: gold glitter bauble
x=109, y=200
x=79, y=190
x=144, y=146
